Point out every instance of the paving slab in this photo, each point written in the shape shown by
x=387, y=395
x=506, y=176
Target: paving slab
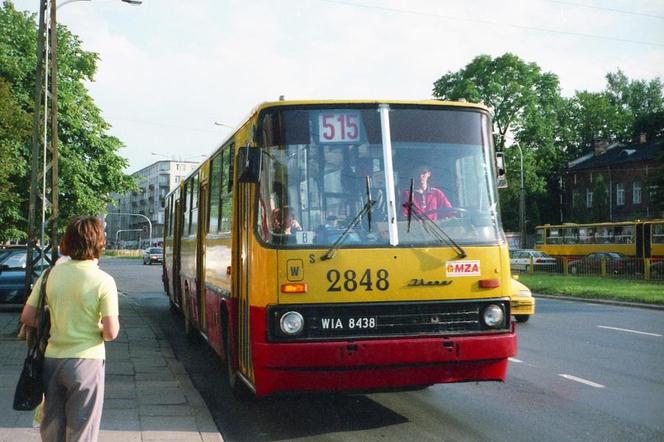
x=148, y=394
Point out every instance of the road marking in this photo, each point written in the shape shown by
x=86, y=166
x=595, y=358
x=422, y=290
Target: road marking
x=583, y=381
x=630, y=331
x=518, y=361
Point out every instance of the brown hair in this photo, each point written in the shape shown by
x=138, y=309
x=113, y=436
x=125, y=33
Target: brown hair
x=84, y=238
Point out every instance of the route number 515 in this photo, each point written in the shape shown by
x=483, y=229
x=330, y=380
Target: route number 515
x=337, y=127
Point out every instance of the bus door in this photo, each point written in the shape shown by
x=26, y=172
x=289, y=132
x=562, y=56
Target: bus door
x=178, y=217
x=200, y=254
x=241, y=277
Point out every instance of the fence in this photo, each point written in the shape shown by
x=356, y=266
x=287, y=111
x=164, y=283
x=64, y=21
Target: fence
x=625, y=268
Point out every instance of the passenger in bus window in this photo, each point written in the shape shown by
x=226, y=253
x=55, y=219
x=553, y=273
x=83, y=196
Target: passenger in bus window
x=427, y=200
x=283, y=221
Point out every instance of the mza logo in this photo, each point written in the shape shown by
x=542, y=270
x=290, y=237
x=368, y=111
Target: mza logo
x=462, y=268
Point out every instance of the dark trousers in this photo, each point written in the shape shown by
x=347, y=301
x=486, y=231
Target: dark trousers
x=74, y=398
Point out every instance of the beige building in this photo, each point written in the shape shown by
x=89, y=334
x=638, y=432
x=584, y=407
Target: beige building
x=127, y=223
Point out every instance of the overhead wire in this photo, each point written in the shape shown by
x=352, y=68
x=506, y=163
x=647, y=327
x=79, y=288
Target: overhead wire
x=491, y=22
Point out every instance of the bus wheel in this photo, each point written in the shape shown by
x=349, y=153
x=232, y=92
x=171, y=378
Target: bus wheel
x=573, y=270
x=236, y=385
x=522, y=318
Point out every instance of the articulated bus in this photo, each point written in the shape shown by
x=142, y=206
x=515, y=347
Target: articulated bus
x=636, y=239
x=298, y=252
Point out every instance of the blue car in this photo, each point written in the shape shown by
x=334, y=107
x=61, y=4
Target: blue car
x=12, y=275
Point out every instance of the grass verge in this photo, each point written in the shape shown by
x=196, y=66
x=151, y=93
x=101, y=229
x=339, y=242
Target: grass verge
x=595, y=288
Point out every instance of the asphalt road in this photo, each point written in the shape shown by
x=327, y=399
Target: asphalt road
x=584, y=371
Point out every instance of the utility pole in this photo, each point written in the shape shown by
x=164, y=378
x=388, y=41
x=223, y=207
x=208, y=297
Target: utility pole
x=34, y=162
x=53, y=219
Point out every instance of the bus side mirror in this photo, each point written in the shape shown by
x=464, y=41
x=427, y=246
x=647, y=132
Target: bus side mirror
x=249, y=164
x=501, y=176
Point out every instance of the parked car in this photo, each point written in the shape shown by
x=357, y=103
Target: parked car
x=615, y=263
x=524, y=258
x=153, y=254
x=12, y=275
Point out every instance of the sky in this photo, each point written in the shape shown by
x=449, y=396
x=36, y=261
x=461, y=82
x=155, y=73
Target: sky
x=170, y=69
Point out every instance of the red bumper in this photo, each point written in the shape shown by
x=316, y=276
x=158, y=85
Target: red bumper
x=380, y=363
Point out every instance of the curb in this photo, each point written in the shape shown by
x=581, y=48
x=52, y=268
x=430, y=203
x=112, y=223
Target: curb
x=601, y=301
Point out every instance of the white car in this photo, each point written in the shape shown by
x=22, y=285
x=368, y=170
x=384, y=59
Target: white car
x=522, y=260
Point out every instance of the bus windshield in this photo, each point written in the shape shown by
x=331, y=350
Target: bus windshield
x=432, y=170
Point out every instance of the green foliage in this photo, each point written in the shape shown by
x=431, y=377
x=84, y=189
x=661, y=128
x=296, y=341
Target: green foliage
x=14, y=133
x=90, y=167
x=525, y=102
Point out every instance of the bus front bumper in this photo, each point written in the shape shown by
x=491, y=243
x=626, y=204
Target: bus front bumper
x=375, y=364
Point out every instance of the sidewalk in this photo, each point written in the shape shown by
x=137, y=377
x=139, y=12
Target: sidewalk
x=148, y=397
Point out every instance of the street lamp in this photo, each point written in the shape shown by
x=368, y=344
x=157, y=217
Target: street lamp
x=217, y=123
x=136, y=214
x=522, y=204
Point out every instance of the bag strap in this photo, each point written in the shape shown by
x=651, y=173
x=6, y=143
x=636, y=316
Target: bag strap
x=41, y=305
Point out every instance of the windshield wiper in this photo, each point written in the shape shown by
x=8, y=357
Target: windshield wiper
x=438, y=232
x=366, y=209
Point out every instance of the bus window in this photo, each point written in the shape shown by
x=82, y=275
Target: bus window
x=604, y=235
x=193, y=213
x=554, y=236
x=186, y=192
x=586, y=235
x=226, y=215
x=658, y=233
x=539, y=236
x=215, y=192
x=570, y=235
x=624, y=234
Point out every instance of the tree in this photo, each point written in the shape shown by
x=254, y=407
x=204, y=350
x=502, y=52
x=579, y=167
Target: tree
x=90, y=167
x=525, y=103
x=641, y=101
x=14, y=133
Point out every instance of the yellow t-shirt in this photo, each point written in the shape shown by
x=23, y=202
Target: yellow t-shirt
x=78, y=295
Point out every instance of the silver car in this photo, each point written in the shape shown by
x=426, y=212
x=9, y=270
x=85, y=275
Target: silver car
x=522, y=260
x=153, y=254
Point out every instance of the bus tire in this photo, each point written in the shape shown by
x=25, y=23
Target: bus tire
x=239, y=390
x=522, y=318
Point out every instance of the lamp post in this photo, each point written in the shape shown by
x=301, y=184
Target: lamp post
x=522, y=204
x=136, y=214
x=217, y=123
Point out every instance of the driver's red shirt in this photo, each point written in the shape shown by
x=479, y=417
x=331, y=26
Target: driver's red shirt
x=426, y=203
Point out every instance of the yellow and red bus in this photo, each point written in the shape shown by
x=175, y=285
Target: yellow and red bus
x=294, y=253
x=636, y=239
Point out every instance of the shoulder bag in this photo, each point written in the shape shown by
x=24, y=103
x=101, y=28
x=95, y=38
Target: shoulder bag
x=30, y=388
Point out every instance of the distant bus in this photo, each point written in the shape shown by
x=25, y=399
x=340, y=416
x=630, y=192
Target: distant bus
x=638, y=239
x=294, y=253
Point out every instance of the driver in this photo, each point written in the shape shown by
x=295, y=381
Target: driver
x=426, y=199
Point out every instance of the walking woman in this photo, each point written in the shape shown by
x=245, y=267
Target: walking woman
x=83, y=305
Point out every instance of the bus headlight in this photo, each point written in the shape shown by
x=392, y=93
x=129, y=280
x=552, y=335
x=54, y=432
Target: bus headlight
x=291, y=323
x=493, y=316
